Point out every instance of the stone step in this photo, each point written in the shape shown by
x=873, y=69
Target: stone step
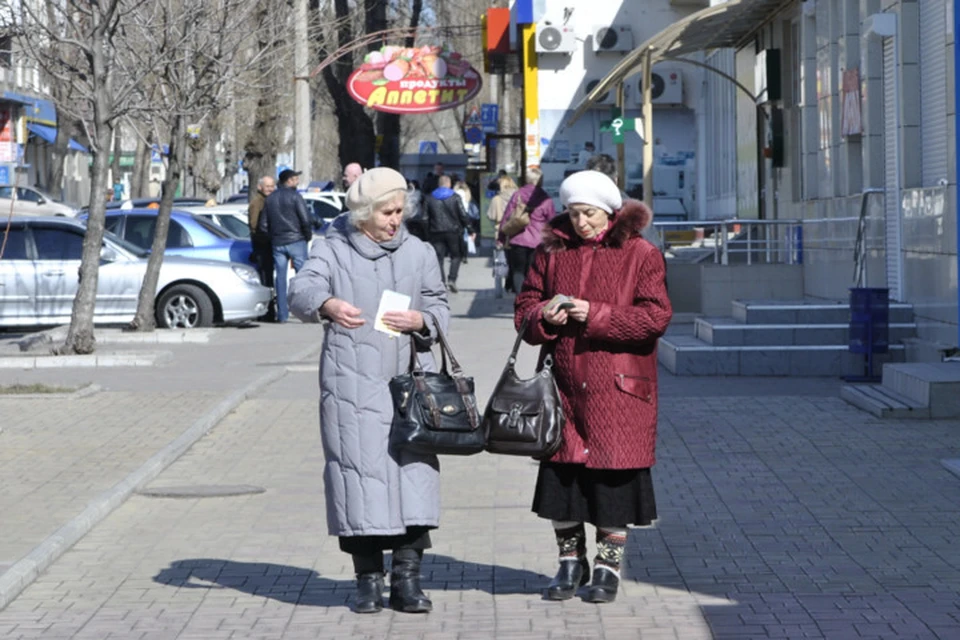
x=807, y=312
x=687, y=355
x=729, y=332
x=882, y=402
x=932, y=384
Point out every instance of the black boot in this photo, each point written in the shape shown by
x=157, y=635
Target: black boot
x=603, y=587
x=369, y=595
x=573, y=573
x=405, y=592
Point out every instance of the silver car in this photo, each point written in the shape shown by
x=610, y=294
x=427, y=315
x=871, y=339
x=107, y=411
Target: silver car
x=30, y=202
x=39, y=277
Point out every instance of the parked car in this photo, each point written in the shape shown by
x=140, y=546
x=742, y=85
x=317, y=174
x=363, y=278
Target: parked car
x=189, y=235
x=39, y=277
x=232, y=218
x=31, y=202
x=324, y=206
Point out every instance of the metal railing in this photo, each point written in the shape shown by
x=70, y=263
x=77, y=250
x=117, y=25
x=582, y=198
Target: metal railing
x=735, y=241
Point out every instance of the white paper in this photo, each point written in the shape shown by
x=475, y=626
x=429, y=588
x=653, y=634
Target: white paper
x=390, y=301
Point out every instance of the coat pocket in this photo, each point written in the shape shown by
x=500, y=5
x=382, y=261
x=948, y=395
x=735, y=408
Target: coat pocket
x=638, y=386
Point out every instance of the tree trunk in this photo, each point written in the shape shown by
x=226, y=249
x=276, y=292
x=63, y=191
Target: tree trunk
x=260, y=150
x=57, y=159
x=116, y=176
x=140, y=178
x=80, y=336
x=145, y=319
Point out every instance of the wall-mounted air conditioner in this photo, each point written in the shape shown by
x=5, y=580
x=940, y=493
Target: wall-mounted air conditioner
x=667, y=86
x=607, y=99
x=612, y=37
x=553, y=38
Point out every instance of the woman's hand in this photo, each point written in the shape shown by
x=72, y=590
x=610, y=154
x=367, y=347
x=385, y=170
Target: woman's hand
x=404, y=321
x=343, y=313
x=556, y=316
x=580, y=310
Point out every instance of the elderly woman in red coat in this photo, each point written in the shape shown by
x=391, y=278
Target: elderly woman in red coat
x=604, y=350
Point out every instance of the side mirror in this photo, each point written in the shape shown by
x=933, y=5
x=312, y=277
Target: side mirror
x=41, y=201
x=108, y=255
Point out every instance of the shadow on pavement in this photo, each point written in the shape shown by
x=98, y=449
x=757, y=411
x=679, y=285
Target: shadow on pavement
x=306, y=587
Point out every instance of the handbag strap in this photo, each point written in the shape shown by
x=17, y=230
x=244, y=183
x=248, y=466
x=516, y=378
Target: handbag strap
x=548, y=358
x=455, y=372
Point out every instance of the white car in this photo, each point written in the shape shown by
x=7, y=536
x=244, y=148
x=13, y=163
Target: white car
x=39, y=278
x=323, y=207
x=232, y=218
x=30, y=202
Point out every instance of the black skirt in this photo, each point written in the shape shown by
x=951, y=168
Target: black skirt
x=602, y=497
x=416, y=537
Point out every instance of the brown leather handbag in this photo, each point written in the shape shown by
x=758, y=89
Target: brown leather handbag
x=524, y=417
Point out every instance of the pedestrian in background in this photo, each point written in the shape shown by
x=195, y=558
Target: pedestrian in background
x=377, y=498
x=505, y=188
x=473, y=215
x=284, y=220
x=605, y=164
x=446, y=221
x=605, y=364
x=350, y=174
x=521, y=246
x=262, y=251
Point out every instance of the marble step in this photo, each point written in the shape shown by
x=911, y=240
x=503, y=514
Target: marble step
x=882, y=402
x=807, y=312
x=687, y=355
x=932, y=384
x=729, y=332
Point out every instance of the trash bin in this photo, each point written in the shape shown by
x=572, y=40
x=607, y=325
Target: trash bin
x=869, y=320
x=869, y=327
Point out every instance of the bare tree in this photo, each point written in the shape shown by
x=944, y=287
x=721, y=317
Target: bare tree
x=81, y=43
x=196, y=47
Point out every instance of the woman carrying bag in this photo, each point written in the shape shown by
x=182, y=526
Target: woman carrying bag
x=527, y=214
x=596, y=299
x=377, y=497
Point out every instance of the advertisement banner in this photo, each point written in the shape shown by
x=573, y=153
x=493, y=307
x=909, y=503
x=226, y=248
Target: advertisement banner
x=405, y=80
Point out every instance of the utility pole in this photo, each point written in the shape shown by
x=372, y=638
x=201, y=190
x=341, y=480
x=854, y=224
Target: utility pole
x=301, y=115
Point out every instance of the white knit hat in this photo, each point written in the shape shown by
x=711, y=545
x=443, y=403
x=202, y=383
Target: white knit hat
x=372, y=185
x=593, y=188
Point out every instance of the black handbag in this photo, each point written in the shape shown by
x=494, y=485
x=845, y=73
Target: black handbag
x=435, y=413
x=524, y=417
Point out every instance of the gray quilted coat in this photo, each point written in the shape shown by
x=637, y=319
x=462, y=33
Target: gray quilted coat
x=369, y=489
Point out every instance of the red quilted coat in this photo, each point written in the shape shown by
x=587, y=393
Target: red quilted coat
x=606, y=368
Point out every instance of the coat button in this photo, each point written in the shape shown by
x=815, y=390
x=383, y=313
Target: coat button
x=586, y=451
x=583, y=386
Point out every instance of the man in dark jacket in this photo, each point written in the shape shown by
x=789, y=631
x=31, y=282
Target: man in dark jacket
x=262, y=250
x=446, y=221
x=285, y=221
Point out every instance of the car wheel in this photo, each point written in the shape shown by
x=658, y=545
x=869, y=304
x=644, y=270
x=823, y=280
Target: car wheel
x=184, y=306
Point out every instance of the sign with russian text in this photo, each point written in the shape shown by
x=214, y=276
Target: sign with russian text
x=407, y=80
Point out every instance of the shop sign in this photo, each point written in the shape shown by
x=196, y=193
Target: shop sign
x=406, y=80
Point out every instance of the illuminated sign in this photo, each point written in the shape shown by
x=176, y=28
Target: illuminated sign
x=414, y=80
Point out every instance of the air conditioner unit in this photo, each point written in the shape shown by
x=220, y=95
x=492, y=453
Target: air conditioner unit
x=667, y=87
x=612, y=37
x=551, y=38
x=607, y=99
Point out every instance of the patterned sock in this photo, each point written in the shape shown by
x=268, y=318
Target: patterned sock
x=610, y=544
x=571, y=539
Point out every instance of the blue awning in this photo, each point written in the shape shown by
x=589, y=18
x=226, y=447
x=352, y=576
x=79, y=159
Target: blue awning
x=35, y=109
x=49, y=134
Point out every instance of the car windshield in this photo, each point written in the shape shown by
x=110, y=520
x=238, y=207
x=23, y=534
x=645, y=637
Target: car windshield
x=235, y=226
x=212, y=228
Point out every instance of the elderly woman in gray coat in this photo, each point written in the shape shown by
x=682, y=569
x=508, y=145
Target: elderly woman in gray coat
x=377, y=498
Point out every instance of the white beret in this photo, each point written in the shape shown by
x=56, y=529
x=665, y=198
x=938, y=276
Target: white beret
x=593, y=188
x=372, y=185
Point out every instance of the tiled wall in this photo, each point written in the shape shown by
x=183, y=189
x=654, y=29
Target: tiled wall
x=845, y=166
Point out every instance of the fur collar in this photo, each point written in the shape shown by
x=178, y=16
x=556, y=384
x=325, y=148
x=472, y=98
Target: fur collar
x=632, y=218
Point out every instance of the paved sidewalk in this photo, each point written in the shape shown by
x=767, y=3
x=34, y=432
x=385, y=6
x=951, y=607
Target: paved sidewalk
x=784, y=513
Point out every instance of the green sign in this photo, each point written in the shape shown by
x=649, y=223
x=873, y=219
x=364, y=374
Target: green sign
x=618, y=125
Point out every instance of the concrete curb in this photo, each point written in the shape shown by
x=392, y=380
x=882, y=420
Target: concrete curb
x=24, y=571
x=134, y=359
